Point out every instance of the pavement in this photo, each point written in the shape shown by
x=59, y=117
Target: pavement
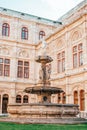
x=44, y=120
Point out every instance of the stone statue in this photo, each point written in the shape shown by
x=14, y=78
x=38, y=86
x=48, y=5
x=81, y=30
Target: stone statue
x=43, y=43
x=44, y=47
x=47, y=73
x=44, y=74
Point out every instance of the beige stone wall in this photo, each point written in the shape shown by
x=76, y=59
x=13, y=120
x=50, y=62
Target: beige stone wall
x=14, y=48
x=63, y=39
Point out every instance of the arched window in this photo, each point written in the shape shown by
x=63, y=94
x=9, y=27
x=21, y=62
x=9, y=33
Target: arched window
x=5, y=29
x=61, y=61
x=18, y=99
x=75, y=97
x=82, y=100
x=24, y=33
x=63, y=98
x=41, y=34
x=25, y=99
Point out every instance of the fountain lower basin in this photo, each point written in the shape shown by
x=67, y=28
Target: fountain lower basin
x=43, y=110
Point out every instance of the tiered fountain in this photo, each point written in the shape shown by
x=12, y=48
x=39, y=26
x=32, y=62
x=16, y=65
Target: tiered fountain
x=44, y=108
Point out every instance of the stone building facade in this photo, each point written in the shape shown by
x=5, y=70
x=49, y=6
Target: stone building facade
x=20, y=41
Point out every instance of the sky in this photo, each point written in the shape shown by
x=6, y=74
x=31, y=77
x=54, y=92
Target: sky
x=50, y=9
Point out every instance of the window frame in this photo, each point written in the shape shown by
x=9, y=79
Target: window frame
x=18, y=98
x=5, y=29
x=61, y=62
x=78, y=53
x=24, y=99
x=41, y=35
x=24, y=33
x=5, y=67
x=23, y=72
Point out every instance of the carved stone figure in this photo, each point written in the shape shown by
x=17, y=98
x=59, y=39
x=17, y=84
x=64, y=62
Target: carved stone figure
x=44, y=74
x=43, y=47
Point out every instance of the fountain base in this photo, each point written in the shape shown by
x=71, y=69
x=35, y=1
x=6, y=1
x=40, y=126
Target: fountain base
x=45, y=110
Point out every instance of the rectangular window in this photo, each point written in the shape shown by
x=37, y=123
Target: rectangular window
x=1, y=69
x=75, y=60
x=80, y=54
x=77, y=56
x=20, y=69
x=61, y=62
x=4, y=67
x=26, y=69
x=23, y=69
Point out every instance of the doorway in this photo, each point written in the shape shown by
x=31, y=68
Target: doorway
x=82, y=100
x=4, y=103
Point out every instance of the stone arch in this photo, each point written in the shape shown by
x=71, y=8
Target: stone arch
x=25, y=98
x=75, y=35
x=18, y=98
x=23, y=53
x=60, y=43
x=77, y=87
x=79, y=96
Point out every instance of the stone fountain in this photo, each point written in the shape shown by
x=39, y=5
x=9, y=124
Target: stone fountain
x=44, y=108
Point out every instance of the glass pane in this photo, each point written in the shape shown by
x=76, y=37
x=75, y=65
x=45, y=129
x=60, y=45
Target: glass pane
x=26, y=72
x=5, y=29
x=80, y=59
x=26, y=63
x=6, y=67
x=63, y=54
x=18, y=99
x=80, y=46
x=24, y=33
x=63, y=65
x=7, y=61
x=59, y=56
x=20, y=62
x=41, y=34
x=59, y=66
x=75, y=60
x=1, y=69
x=75, y=49
x=1, y=60
x=6, y=70
x=20, y=72
x=25, y=99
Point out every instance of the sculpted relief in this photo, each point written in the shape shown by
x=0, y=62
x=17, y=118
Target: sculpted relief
x=22, y=53
x=4, y=51
x=75, y=35
x=60, y=43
